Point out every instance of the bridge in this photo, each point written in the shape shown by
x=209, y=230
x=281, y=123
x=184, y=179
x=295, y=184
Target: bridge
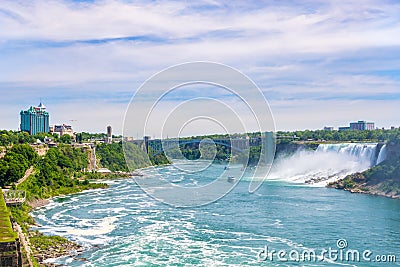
x=158, y=146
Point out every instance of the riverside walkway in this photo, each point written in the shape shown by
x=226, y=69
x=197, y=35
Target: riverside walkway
x=27, y=174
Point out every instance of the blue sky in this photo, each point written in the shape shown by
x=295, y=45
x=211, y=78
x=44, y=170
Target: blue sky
x=318, y=62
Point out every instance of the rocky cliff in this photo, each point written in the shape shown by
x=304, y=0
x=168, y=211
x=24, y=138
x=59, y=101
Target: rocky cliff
x=382, y=179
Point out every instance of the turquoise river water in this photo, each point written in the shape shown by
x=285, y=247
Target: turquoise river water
x=122, y=226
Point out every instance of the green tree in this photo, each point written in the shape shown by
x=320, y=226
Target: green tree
x=66, y=139
x=26, y=151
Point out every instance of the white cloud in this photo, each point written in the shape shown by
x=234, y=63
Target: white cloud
x=335, y=25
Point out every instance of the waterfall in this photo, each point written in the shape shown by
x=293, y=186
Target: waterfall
x=329, y=162
x=382, y=154
x=364, y=153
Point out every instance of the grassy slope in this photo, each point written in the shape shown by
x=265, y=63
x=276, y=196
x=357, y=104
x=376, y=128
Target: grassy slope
x=6, y=232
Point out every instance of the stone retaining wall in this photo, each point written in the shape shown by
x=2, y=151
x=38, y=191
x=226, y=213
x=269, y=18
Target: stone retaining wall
x=10, y=254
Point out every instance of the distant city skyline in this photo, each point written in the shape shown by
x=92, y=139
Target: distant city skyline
x=318, y=63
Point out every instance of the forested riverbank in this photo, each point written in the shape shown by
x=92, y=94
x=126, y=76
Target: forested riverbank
x=58, y=172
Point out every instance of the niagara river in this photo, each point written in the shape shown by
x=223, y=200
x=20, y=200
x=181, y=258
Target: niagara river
x=291, y=220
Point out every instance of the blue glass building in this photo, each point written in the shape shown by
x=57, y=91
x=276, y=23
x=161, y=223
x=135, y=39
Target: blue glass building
x=35, y=120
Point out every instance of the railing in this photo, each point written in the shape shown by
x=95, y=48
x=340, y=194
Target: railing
x=14, y=197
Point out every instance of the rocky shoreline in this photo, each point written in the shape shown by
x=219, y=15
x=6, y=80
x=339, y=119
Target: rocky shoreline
x=45, y=248
x=358, y=183
x=53, y=248
x=38, y=203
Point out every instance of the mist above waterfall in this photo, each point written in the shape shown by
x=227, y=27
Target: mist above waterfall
x=328, y=163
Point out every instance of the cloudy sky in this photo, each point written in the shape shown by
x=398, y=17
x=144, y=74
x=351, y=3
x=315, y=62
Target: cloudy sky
x=318, y=63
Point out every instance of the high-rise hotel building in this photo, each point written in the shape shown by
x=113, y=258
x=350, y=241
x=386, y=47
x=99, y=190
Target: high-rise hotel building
x=35, y=120
x=362, y=125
